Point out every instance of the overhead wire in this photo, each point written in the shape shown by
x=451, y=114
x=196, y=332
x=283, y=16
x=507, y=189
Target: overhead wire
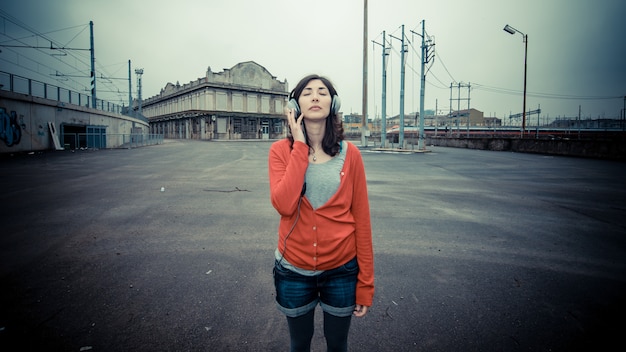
x=497, y=90
x=508, y=91
x=58, y=74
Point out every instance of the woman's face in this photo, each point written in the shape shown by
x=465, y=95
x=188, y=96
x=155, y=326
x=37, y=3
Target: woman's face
x=315, y=100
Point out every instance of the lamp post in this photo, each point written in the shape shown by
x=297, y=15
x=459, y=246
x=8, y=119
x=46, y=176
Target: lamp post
x=139, y=72
x=512, y=30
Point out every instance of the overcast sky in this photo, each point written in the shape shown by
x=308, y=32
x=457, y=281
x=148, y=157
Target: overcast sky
x=576, y=48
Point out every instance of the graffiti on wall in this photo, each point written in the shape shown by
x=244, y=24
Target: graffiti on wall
x=10, y=131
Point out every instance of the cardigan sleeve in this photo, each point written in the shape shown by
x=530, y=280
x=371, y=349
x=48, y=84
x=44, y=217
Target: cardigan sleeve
x=287, y=169
x=363, y=232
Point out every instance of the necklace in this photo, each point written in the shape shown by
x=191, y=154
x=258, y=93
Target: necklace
x=314, y=156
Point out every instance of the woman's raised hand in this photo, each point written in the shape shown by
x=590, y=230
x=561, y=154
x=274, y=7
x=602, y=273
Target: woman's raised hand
x=295, y=123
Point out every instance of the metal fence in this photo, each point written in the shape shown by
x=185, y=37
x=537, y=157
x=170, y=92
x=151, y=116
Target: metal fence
x=18, y=84
x=98, y=140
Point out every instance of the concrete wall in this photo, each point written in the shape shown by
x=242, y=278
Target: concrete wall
x=603, y=149
x=24, y=122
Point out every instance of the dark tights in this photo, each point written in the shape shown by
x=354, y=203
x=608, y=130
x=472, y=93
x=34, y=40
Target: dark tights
x=335, y=330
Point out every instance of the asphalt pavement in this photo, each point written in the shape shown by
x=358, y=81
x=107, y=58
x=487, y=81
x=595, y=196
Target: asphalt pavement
x=170, y=248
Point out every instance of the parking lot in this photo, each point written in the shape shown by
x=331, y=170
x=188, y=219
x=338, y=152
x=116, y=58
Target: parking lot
x=170, y=248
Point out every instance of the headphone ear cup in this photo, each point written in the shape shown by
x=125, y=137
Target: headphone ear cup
x=293, y=104
x=336, y=105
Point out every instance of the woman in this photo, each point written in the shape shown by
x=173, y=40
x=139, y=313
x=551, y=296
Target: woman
x=318, y=186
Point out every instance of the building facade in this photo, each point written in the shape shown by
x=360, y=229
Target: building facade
x=243, y=102
x=460, y=118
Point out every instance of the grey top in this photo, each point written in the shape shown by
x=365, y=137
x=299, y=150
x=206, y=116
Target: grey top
x=322, y=180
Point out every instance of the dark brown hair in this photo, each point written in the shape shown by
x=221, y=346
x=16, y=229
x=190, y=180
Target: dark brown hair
x=333, y=133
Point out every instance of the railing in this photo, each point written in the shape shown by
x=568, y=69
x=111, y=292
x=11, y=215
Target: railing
x=18, y=84
x=98, y=140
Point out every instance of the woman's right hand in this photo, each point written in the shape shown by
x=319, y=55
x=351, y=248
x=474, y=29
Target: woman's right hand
x=295, y=124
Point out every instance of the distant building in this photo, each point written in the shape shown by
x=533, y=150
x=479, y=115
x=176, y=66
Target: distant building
x=352, y=124
x=492, y=122
x=243, y=102
x=574, y=122
x=410, y=119
x=455, y=118
x=460, y=118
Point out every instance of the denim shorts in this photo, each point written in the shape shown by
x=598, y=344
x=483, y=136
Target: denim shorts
x=334, y=290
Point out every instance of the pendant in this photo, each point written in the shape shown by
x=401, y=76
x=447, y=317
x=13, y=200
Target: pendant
x=314, y=157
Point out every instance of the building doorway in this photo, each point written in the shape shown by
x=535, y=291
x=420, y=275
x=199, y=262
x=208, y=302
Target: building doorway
x=265, y=129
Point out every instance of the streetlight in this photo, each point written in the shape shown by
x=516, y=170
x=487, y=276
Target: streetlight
x=512, y=30
x=139, y=72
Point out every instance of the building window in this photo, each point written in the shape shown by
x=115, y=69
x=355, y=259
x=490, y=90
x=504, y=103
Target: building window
x=251, y=126
x=237, y=126
x=278, y=126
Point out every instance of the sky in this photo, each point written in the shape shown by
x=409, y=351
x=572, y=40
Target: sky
x=576, y=56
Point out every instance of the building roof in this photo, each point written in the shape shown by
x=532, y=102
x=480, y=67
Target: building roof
x=244, y=76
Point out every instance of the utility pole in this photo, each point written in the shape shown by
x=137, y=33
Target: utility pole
x=364, y=128
x=436, y=117
x=130, y=91
x=401, y=126
x=458, y=111
x=469, y=114
x=538, y=122
x=449, y=113
x=93, y=67
x=401, y=142
x=579, y=121
x=426, y=44
x=420, y=141
x=624, y=115
x=383, y=126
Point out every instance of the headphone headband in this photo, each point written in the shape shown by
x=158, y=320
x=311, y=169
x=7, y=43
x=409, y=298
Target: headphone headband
x=334, y=106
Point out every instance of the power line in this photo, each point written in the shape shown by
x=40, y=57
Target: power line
x=446, y=68
x=15, y=44
x=542, y=95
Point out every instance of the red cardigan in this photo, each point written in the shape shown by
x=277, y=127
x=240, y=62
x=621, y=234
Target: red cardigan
x=327, y=237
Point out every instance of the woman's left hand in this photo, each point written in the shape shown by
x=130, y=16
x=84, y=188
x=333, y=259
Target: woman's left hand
x=295, y=124
x=360, y=310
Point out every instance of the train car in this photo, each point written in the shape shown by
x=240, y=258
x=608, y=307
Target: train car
x=550, y=133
